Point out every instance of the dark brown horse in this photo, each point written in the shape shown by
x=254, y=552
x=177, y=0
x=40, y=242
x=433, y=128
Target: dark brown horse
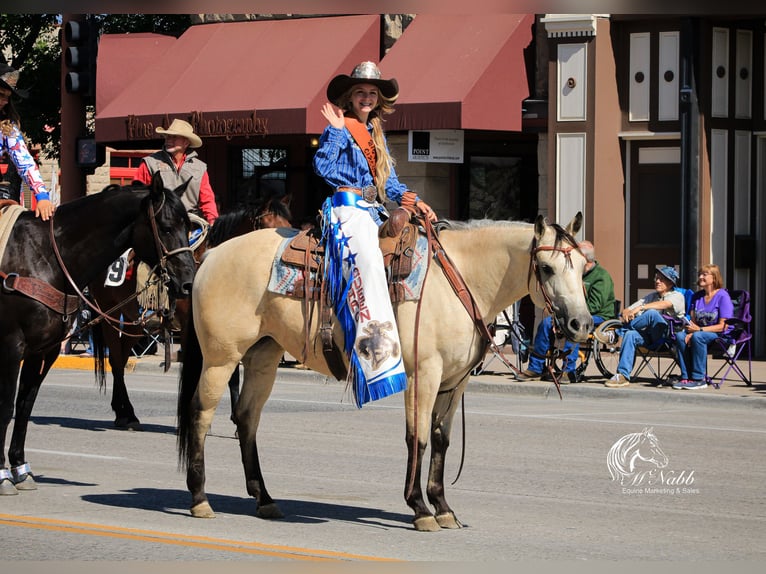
x=122, y=302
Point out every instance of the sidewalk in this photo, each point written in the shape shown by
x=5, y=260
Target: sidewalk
x=499, y=379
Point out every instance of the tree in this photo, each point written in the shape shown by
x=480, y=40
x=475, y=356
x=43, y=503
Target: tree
x=31, y=44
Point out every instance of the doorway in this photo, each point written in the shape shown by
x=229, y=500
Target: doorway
x=655, y=214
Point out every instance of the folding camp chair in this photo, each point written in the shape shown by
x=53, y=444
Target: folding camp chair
x=736, y=342
x=663, y=351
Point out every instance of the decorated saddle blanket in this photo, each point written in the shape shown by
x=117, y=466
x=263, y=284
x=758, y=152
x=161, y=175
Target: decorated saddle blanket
x=8, y=216
x=302, y=255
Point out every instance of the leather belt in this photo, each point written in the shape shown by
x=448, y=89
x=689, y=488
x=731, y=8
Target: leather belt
x=369, y=193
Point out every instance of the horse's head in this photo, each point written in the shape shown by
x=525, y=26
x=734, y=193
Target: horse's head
x=161, y=237
x=648, y=449
x=557, y=267
x=273, y=212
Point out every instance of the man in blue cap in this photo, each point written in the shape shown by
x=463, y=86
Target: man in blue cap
x=643, y=324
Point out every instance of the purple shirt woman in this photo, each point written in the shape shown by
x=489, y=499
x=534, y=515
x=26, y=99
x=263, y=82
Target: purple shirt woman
x=710, y=308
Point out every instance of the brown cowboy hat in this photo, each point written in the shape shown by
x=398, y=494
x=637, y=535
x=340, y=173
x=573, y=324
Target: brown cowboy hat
x=184, y=129
x=9, y=77
x=364, y=73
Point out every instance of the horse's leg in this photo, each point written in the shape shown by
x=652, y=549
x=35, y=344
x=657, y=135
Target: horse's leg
x=413, y=493
x=9, y=375
x=260, y=368
x=206, y=398
x=33, y=372
x=441, y=427
x=119, y=353
x=234, y=393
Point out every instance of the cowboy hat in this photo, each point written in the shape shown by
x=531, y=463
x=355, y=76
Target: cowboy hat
x=669, y=273
x=364, y=73
x=9, y=77
x=183, y=129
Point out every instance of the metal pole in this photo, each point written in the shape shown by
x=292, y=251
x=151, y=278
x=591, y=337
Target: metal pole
x=688, y=112
x=72, y=179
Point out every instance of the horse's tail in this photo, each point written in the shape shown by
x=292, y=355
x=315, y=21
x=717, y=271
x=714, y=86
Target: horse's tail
x=191, y=369
x=99, y=353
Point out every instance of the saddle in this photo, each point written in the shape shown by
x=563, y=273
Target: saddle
x=397, y=238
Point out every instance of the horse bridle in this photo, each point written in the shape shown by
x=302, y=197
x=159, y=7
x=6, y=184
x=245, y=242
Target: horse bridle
x=163, y=254
x=534, y=268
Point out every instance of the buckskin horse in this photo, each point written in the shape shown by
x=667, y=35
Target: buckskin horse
x=237, y=318
x=46, y=266
x=122, y=302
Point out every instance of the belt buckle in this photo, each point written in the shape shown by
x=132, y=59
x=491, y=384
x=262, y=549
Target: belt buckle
x=370, y=193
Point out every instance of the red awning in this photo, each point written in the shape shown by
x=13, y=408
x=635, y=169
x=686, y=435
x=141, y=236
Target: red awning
x=460, y=72
x=228, y=79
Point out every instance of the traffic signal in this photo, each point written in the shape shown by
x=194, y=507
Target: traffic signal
x=80, y=57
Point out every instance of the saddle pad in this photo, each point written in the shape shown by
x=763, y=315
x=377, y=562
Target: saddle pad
x=284, y=277
x=8, y=216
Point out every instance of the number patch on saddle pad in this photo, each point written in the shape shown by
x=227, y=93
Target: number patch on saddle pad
x=118, y=271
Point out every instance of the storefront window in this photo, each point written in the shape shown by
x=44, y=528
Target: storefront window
x=260, y=172
x=495, y=188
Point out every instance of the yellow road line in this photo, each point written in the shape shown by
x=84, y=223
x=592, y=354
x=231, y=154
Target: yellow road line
x=236, y=546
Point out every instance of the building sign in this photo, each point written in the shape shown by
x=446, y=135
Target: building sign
x=440, y=146
x=204, y=125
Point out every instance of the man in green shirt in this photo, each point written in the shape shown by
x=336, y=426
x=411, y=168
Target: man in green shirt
x=599, y=290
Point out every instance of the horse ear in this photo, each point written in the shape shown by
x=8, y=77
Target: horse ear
x=157, y=187
x=540, y=225
x=179, y=191
x=575, y=224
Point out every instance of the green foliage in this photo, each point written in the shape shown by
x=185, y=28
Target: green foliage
x=31, y=44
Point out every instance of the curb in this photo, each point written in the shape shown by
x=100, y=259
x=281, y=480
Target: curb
x=662, y=395
x=486, y=384
x=79, y=363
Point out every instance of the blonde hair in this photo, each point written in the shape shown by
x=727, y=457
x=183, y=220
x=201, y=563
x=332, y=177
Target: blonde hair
x=385, y=160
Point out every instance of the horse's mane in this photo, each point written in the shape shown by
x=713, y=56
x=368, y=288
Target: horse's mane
x=227, y=224
x=617, y=457
x=478, y=224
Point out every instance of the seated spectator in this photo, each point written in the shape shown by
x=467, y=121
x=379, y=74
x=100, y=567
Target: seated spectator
x=643, y=323
x=710, y=308
x=599, y=289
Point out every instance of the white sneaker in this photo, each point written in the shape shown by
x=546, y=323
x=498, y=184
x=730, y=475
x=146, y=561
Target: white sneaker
x=618, y=380
x=606, y=337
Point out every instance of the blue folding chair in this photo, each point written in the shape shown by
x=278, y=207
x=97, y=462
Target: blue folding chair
x=664, y=349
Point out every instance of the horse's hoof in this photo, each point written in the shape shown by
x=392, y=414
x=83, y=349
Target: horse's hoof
x=202, y=510
x=270, y=511
x=7, y=488
x=426, y=524
x=124, y=423
x=448, y=520
x=27, y=483
x=22, y=477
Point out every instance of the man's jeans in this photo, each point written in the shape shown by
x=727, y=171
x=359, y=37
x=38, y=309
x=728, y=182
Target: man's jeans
x=695, y=353
x=646, y=330
x=543, y=343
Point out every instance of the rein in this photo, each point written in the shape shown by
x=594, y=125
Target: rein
x=163, y=255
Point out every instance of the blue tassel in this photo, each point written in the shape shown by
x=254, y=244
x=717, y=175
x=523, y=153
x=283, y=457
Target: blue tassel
x=363, y=390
